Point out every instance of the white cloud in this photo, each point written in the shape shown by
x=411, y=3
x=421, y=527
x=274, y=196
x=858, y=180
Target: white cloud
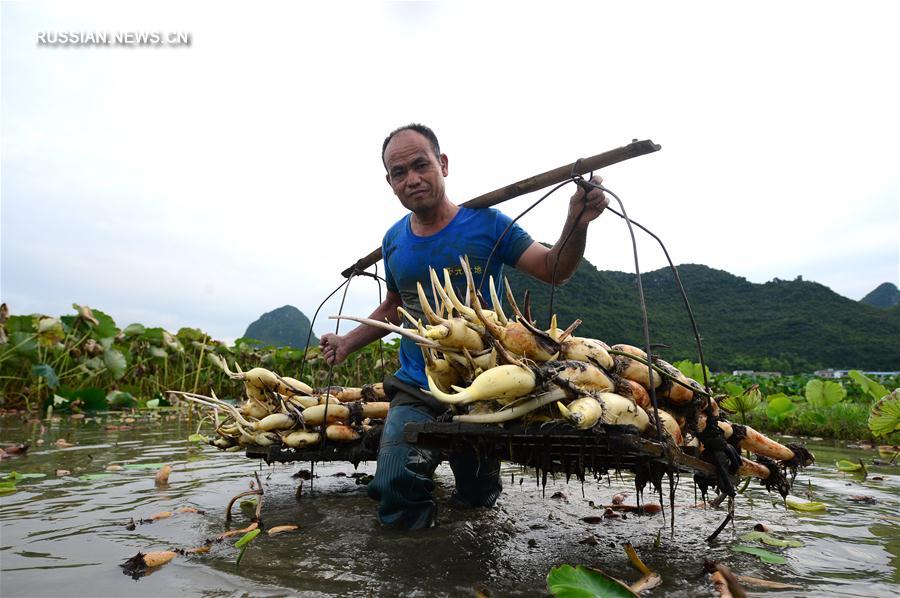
x=202, y=186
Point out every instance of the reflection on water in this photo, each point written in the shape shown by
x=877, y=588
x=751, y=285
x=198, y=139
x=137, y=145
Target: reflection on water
x=66, y=535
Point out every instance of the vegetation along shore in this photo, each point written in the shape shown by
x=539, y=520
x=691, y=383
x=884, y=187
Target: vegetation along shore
x=83, y=362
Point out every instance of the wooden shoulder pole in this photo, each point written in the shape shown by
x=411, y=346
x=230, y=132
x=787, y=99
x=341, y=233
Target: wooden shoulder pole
x=535, y=183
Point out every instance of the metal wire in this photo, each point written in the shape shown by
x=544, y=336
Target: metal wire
x=684, y=298
x=324, y=301
x=323, y=438
x=678, y=282
x=316, y=315
x=508, y=226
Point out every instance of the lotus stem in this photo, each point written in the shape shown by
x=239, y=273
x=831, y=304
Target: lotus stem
x=512, y=413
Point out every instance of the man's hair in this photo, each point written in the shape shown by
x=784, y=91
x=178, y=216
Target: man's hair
x=421, y=130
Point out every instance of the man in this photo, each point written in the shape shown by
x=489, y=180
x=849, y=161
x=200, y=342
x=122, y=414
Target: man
x=435, y=233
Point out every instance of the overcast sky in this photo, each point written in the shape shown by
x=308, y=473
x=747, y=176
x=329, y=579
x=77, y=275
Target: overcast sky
x=203, y=185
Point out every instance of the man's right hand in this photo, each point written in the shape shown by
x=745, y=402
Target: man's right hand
x=334, y=348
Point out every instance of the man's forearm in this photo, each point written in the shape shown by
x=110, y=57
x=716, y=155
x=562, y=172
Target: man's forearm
x=566, y=254
x=362, y=335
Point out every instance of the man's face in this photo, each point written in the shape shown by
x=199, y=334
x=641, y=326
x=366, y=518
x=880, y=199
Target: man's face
x=414, y=173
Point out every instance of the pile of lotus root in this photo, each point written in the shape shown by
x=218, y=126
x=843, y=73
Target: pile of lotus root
x=284, y=411
x=491, y=368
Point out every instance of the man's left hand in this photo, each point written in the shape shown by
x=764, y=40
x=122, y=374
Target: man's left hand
x=593, y=203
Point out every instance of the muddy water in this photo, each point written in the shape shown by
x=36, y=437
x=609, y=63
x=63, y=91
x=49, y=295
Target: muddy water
x=66, y=535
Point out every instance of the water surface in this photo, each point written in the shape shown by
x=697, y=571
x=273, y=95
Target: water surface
x=65, y=535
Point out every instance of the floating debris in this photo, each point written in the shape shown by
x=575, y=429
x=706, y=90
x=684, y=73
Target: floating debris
x=141, y=563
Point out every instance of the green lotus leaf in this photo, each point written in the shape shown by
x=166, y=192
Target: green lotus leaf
x=566, y=581
x=191, y=334
x=798, y=504
x=884, y=418
x=21, y=324
x=134, y=330
x=247, y=538
x=119, y=399
x=94, y=363
x=874, y=389
x=763, y=554
x=92, y=399
x=822, y=394
x=733, y=389
x=692, y=370
x=115, y=361
x=779, y=407
x=153, y=335
x=106, y=327
x=25, y=343
x=244, y=542
x=743, y=402
x=46, y=372
x=198, y=438
x=769, y=539
x=16, y=476
x=845, y=465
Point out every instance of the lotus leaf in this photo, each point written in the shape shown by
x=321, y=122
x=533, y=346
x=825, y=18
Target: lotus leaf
x=770, y=540
x=692, y=370
x=15, y=475
x=822, y=394
x=874, y=389
x=46, y=372
x=15, y=324
x=120, y=399
x=798, y=504
x=733, y=389
x=134, y=330
x=24, y=343
x=153, y=335
x=566, y=581
x=91, y=398
x=191, y=334
x=244, y=542
x=845, y=465
x=884, y=419
x=780, y=406
x=115, y=361
x=106, y=327
x=744, y=402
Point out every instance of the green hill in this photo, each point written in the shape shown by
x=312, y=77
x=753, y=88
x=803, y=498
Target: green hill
x=787, y=326
x=884, y=295
x=282, y=327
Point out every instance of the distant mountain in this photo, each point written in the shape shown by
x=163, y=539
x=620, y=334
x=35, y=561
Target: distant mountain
x=787, y=326
x=885, y=295
x=282, y=327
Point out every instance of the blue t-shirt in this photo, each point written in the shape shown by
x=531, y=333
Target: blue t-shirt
x=407, y=256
